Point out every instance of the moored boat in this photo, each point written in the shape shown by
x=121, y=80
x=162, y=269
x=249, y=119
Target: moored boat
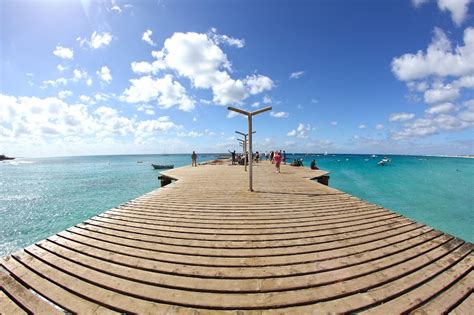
x=160, y=167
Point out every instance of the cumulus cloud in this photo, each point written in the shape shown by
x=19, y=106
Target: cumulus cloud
x=258, y=83
x=279, y=114
x=266, y=99
x=300, y=132
x=457, y=8
x=224, y=39
x=334, y=123
x=441, y=94
x=64, y=94
x=296, y=75
x=96, y=41
x=192, y=134
x=26, y=118
x=199, y=58
x=440, y=59
x=104, y=74
x=55, y=83
x=440, y=109
x=79, y=75
x=147, y=37
x=165, y=91
x=144, y=67
x=149, y=128
x=401, y=117
x=379, y=127
x=63, y=52
x=362, y=126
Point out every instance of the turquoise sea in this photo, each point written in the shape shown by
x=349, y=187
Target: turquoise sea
x=40, y=197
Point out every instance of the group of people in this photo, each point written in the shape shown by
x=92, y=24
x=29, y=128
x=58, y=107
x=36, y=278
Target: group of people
x=276, y=157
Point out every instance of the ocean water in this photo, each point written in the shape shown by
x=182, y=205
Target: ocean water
x=438, y=191
x=40, y=197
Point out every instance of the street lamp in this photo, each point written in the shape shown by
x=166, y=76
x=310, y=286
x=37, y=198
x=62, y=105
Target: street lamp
x=245, y=147
x=243, y=143
x=249, y=116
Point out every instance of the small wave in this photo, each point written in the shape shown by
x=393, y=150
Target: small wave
x=18, y=162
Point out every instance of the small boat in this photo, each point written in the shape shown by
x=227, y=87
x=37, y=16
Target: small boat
x=139, y=161
x=383, y=162
x=373, y=155
x=161, y=167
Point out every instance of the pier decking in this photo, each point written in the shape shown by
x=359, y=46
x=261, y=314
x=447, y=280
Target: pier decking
x=204, y=244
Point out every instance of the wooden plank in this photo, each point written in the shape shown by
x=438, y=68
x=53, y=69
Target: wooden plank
x=49, y=289
x=24, y=297
x=465, y=307
x=7, y=306
x=451, y=297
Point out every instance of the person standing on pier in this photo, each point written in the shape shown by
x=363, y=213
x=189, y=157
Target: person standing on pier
x=194, y=159
x=233, y=156
x=277, y=159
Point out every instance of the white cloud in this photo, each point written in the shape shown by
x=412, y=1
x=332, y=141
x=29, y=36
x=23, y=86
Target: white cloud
x=418, y=86
x=279, y=114
x=464, y=82
x=379, y=127
x=199, y=58
x=401, y=116
x=418, y=3
x=89, y=82
x=439, y=60
x=362, y=126
x=296, y=75
x=55, y=83
x=255, y=104
x=149, y=128
x=441, y=94
x=147, y=37
x=192, y=134
x=63, y=52
x=232, y=114
x=86, y=99
x=266, y=99
x=104, y=74
x=79, y=75
x=64, y=94
x=55, y=123
x=224, y=39
x=165, y=91
x=457, y=8
x=334, y=123
x=144, y=67
x=300, y=132
x=96, y=41
x=258, y=83
x=61, y=68
x=440, y=109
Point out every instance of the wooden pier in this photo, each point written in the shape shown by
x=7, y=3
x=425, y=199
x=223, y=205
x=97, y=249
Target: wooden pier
x=204, y=244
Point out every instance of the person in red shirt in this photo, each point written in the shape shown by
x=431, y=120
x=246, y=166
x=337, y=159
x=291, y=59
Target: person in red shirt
x=277, y=159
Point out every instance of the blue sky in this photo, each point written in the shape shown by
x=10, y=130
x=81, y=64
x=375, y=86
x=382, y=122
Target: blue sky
x=118, y=77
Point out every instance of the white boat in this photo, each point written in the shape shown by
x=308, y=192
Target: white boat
x=384, y=161
x=373, y=155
